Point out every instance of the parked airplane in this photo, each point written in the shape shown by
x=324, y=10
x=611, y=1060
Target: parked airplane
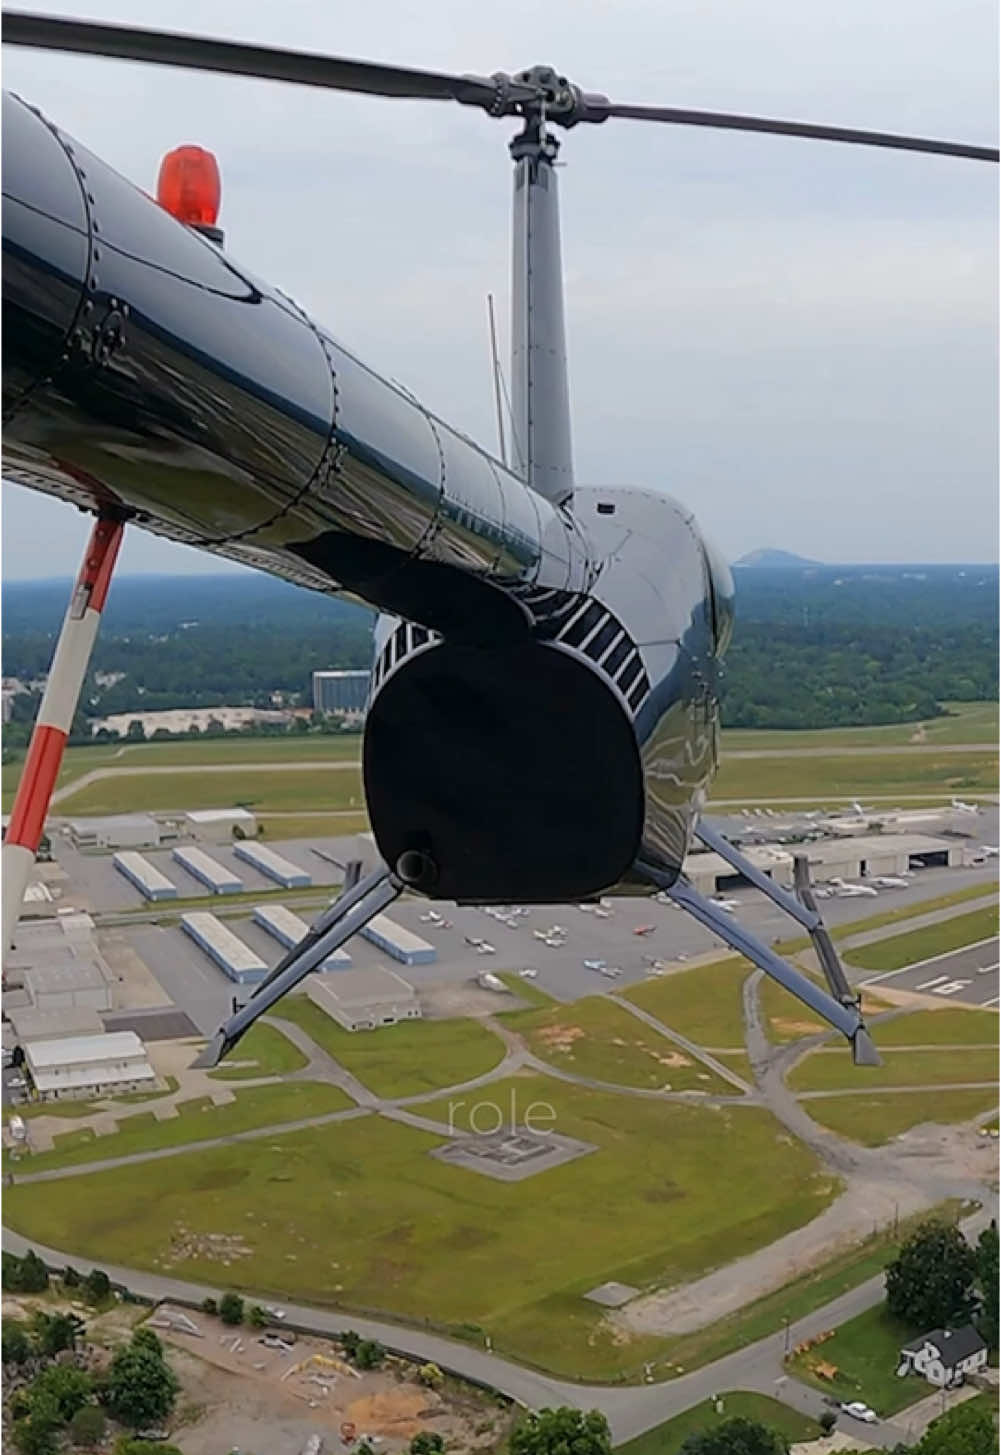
x=962, y=807
x=853, y=891
x=891, y=881
x=644, y=929
x=726, y=905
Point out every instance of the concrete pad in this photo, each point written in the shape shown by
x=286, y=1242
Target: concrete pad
x=220, y=1097
x=512, y=1154
x=612, y=1295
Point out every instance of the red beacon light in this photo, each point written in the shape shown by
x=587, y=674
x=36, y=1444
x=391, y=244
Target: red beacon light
x=189, y=188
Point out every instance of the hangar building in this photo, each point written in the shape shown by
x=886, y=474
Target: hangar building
x=362, y=1000
x=118, y=831
x=89, y=1065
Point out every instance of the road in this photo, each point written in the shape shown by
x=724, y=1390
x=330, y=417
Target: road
x=967, y=977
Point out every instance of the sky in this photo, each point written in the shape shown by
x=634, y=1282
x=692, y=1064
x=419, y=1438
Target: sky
x=797, y=340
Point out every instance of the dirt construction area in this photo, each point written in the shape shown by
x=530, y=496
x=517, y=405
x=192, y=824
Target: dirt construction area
x=238, y=1393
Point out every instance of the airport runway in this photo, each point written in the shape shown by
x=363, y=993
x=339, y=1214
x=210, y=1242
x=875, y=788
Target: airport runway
x=968, y=976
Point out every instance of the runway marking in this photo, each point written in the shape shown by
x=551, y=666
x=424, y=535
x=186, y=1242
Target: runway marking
x=927, y=984
x=993, y=1001
x=932, y=960
x=953, y=987
x=987, y=969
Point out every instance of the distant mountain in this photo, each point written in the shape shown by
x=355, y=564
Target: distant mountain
x=774, y=560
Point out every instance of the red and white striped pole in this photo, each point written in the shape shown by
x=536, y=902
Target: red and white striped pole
x=55, y=717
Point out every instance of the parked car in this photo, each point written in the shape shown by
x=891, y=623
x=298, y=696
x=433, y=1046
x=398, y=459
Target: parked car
x=860, y=1411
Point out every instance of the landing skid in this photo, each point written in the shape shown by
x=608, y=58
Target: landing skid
x=360, y=902
x=839, y=1005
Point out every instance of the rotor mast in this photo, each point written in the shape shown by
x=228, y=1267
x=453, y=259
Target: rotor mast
x=540, y=387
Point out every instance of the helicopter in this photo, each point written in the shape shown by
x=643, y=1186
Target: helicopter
x=149, y=378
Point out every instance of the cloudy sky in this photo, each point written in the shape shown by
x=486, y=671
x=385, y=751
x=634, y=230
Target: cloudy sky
x=798, y=340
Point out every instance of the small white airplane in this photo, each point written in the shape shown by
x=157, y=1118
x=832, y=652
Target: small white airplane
x=602, y=913
x=483, y=948
x=962, y=807
x=432, y=918
x=726, y=905
x=853, y=891
x=611, y=972
x=595, y=964
x=528, y=973
x=472, y=940
x=891, y=881
x=991, y=850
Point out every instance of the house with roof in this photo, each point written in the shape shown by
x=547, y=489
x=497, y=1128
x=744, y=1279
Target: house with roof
x=945, y=1356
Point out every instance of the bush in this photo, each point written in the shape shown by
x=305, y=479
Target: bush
x=828, y=1420
x=349, y=1342
x=231, y=1308
x=62, y=1388
x=97, y=1285
x=257, y=1318
x=210, y=1307
x=369, y=1354
x=428, y=1442
x=87, y=1426
x=16, y=1344
x=71, y=1278
x=431, y=1376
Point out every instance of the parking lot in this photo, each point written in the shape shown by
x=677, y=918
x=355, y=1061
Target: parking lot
x=968, y=976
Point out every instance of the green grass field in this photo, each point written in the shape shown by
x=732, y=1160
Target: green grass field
x=866, y=1351
x=788, y=1019
x=667, y=1439
x=873, y=1120
x=312, y=825
x=596, y=1038
x=371, y=1220
x=971, y=722
x=848, y=1268
x=290, y=790
x=408, y=1059
x=268, y=1052
x=830, y=1070
x=703, y=1003
x=197, y=1120
x=947, y=1027
x=897, y=951
x=785, y=777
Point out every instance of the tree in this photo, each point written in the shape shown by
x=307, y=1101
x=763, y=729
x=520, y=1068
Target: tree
x=828, y=1420
x=963, y=1430
x=369, y=1354
x=210, y=1307
x=349, y=1342
x=87, y=1426
x=145, y=1338
x=986, y=1255
x=25, y=1275
x=428, y=1442
x=36, y=1436
x=930, y=1282
x=16, y=1344
x=55, y=1332
x=553, y=1432
x=231, y=1308
x=141, y=1386
x=97, y=1285
x=71, y=1278
x=62, y=1387
x=136, y=732
x=257, y=1318
x=738, y=1436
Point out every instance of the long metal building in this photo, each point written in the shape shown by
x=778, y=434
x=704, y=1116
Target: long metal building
x=273, y=865
x=401, y=943
x=229, y=952
x=288, y=929
x=150, y=883
x=207, y=871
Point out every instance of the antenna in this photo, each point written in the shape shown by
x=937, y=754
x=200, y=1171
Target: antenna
x=495, y=368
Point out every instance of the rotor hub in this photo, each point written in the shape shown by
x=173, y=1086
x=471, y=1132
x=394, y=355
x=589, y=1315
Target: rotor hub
x=557, y=99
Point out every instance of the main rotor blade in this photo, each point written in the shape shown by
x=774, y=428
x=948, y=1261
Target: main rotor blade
x=732, y=122
x=169, y=48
